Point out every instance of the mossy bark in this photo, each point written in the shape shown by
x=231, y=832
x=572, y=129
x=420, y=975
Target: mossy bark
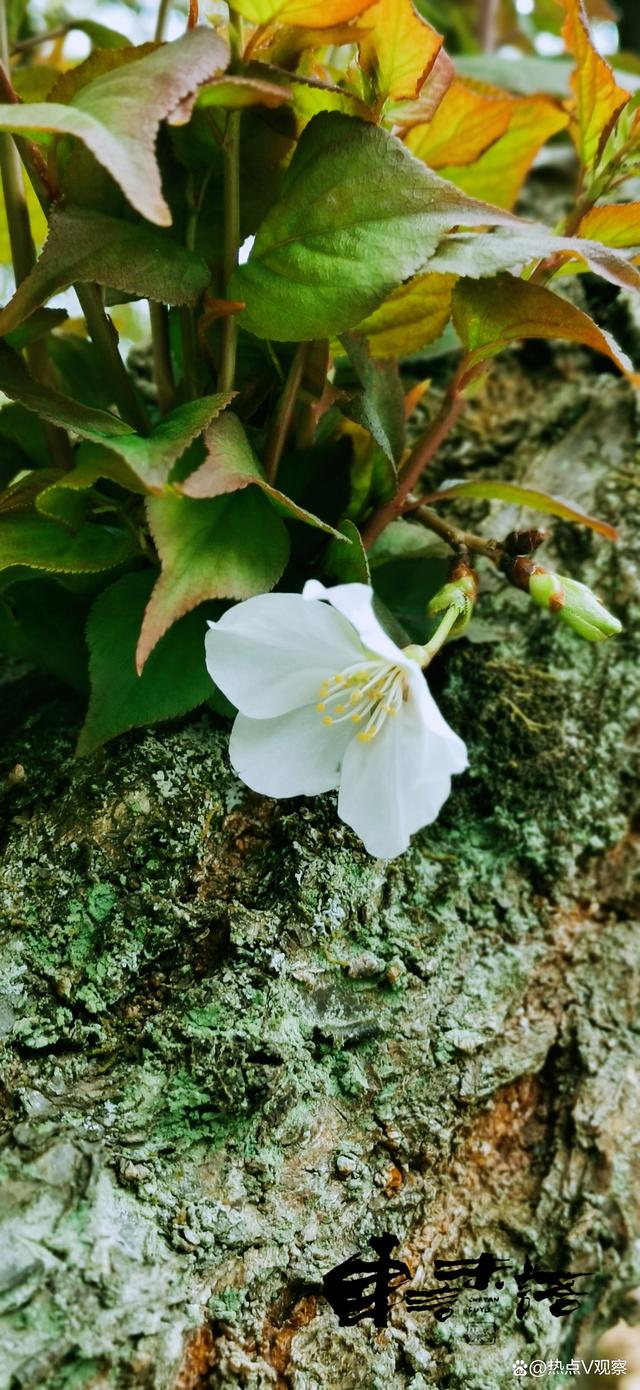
x=236, y=1047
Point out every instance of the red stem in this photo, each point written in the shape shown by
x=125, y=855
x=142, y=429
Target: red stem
x=417, y=461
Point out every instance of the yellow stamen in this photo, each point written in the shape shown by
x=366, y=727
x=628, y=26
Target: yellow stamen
x=327, y=720
x=321, y=707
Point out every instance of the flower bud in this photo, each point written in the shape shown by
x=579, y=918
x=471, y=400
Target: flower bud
x=459, y=593
x=574, y=604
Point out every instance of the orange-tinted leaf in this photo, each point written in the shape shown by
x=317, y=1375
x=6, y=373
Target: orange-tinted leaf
x=598, y=98
x=490, y=488
x=405, y=115
x=413, y=315
x=464, y=125
x=615, y=225
x=500, y=172
x=314, y=14
x=488, y=314
x=400, y=48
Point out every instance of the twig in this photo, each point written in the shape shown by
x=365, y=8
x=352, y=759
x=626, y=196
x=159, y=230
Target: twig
x=231, y=156
x=162, y=367
x=105, y=339
x=410, y=472
x=454, y=536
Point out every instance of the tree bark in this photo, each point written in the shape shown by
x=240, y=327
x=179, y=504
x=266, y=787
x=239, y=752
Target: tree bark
x=236, y=1047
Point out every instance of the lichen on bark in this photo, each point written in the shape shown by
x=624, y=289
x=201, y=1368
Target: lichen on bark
x=235, y=1047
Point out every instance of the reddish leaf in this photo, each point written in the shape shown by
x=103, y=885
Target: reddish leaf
x=597, y=97
x=399, y=50
x=465, y=124
x=615, y=225
x=499, y=173
x=488, y=488
x=488, y=314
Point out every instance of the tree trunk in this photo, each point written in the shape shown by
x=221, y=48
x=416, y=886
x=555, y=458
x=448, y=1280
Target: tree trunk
x=237, y=1047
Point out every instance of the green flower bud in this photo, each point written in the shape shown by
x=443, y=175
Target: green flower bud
x=574, y=604
x=459, y=593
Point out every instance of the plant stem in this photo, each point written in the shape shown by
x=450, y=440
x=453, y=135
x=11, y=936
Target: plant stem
x=162, y=367
x=284, y=411
x=161, y=21
x=105, y=339
x=432, y=647
x=231, y=153
x=410, y=472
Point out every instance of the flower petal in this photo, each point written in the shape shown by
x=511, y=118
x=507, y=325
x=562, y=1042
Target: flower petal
x=356, y=602
x=395, y=784
x=294, y=754
x=451, y=756
x=271, y=653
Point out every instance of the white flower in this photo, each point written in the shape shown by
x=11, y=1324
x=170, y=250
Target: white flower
x=327, y=700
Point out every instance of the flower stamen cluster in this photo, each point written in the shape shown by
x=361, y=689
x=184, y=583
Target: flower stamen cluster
x=375, y=688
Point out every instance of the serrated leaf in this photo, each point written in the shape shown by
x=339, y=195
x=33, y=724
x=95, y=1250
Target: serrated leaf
x=229, y=547
x=118, y=114
x=489, y=314
x=379, y=407
x=499, y=173
x=42, y=544
x=231, y=465
x=414, y=314
x=490, y=488
x=399, y=49
x=616, y=224
x=477, y=256
x=174, y=681
x=357, y=214
x=130, y=256
x=464, y=125
x=318, y=14
x=597, y=97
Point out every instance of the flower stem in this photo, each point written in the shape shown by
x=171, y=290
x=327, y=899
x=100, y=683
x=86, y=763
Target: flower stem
x=419, y=457
x=284, y=411
x=161, y=20
x=432, y=647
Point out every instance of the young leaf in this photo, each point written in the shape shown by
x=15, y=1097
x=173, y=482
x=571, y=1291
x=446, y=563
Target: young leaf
x=229, y=547
x=464, y=125
x=499, y=173
x=399, y=49
x=357, y=214
x=489, y=314
x=309, y=14
x=174, y=681
x=42, y=544
x=231, y=465
x=616, y=224
x=522, y=496
x=117, y=115
x=379, y=407
x=598, y=99
x=413, y=315
x=149, y=459
x=476, y=256
x=128, y=256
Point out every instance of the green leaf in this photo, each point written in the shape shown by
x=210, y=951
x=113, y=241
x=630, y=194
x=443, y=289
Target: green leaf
x=356, y=215
x=228, y=547
x=379, y=407
x=231, y=465
x=19, y=385
x=42, y=544
x=488, y=488
x=406, y=586
x=479, y=256
x=175, y=678
x=117, y=115
x=50, y=629
x=488, y=314
x=346, y=564
x=130, y=256
x=143, y=462
x=413, y=315
x=39, y=326
x=101, y=36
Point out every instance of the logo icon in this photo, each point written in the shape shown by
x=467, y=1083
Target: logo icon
x=519, y=1368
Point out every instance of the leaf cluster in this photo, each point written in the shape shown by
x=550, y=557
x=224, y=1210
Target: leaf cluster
x=297, y=202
